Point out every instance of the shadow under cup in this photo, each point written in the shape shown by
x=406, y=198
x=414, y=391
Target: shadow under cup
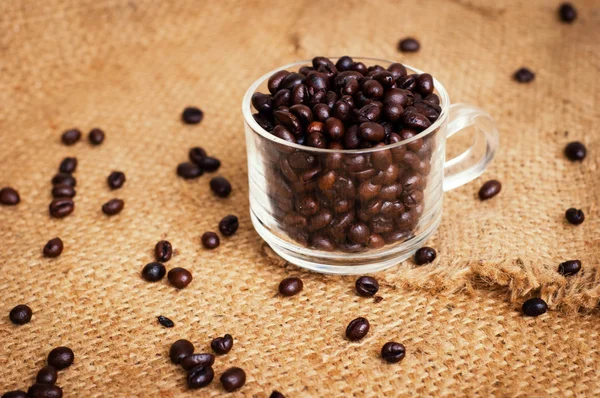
x=345, y=211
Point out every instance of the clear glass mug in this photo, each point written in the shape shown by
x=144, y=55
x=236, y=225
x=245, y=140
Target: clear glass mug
x=364, y=210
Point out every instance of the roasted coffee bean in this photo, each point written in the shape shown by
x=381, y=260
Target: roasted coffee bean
x=307, y=206
x=220, y=186
x=534, y=307
x=116, y=179
x=192, y=115
x=53, y=248
x=179, y=277
x=341, y=110
x=20, y=315
x=71, y=136
x=68, y=165
x=398, y=97
x=96, y=136
x=210, y=240
x=490, y=189
x=222, y=345
x=262, y=102
x=351, y=138
x=381, y=159
x=359, y=233
x=290, y=286
x=17, y=394
x=61, y=357
x=333, y=161
x=321, y=242
x=409, y=45
x=233, y=379
x=317, y=82
x=275, y=393
x=415, y=121
x=390, y=175
x=163, y=250
x=366, y=286
x=344, y=63
x=376, y=241
x=570, y=267
x=408, y=82
x=393, y=112
x=342, y=79
x=113, y=207
x=385, y=78
x=320, y=220
x=64, y=179
x=357, y=329
x=372, y=132
x=189, y=170
x=300, y=95
x=44, y=391
x=574, y=216
x=288, y=120
x=192, y=361
x=229, y=225
x=292, y=80
x=524, y=75
x=351, y=87
x=369, y=113
x=334, y=128
x=359, y=67
x=263, y=121
x=274, y=83
x=303, y=113
x=196, y=155
x=368, y=190
x=166, y=322
x=9, y=196
x=47, y=375
x=179, y=350
x=209, y=164
x=200, y=376
x=62, y=207
x=153, y=272
x=425, y=83
x=321, y=112
x=432, y=98
x=425, y=255
x=282, y=98
x=283, y=133
x=567, y=12
x=302, y=160
x=372, y=89
x=397, y=70
x=575, y=151
x=393, y=352
x=428, y=109
x=315, y=128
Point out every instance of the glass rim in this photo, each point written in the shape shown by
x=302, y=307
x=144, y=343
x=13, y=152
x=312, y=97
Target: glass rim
x=249, y=119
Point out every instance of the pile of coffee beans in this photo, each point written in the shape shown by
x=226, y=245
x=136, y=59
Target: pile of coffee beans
x=199, y=162
x=348, y=201
x=154, y=271
x=63, y=185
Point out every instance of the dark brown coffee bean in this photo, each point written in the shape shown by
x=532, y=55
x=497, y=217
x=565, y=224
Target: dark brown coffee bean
x=428, y=109
x=47, y=375
x=192, y=115
x=153, y=272
x=229, y=225
x=220, y=186
x=393, y=352
x=262, y=102
x=351, y=87
x=68, y=165
x=263, y=121
x=359, y=67
x=366, y=286
x=307, y=206
x=397, y=70
x=60, y=208
x=320, y=220
x=357, y=329
x=567, y=12
x=283, y=133
x=575, y=151
x=192, y=361
x=61, y=357
x=282, y=98
x=333, y=161
x=425, y=84
x=300, y=95
x=53, y=248
x=425, y=255
x=163, y=250
x=275, y=393
x=179, y=277
x=303, y=113
x=381, y=159
x=274, y=83
x=289, y=121
x=209, y=164
x=317, y=82
x=96, y=136
x=166, y=322
x=116, y=179
x=570, y=267
x=316, y=140
x=320, y=241
x=524, y=75
x=196, y=155
x=372, y=132
x=415, y=121
x=343, y=78
x=70, y=137
x=368, y=113
x=334, y=128
x=368, y=190
x=575, y=216
x=342, y=110
x=210, y=240
x=20, y=315
x=290, y=286
x=359, y=233
x=315, y=128
x=302, y=160
x=390, y=175
x=189, y=170
x=292, y=80
x=233, y=379
x=17, y=394
x=44, y=391
x=409, y=45
x=534, y=307
x=222, y=345
x=9, y=196
x=408, y=82
x=432, y=98
x=113, y=207
x=179, y=350
x=200, y=376
x=489, y=189
x=64, y=179
x=411, y=181
x=330, y=99
x=321, y=112
x=376, y=241
x=373, y=89
x=344, y=63
x=351, y=138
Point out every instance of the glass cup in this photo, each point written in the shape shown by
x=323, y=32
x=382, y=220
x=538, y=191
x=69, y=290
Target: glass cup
x=364, y=210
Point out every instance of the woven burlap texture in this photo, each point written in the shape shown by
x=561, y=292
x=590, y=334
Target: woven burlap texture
x=130, y=67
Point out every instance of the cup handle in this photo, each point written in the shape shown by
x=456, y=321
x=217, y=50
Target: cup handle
x=472, y=162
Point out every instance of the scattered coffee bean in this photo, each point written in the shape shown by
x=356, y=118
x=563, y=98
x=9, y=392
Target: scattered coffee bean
x=209, y=164
x=210, y=240
x=116, y=179
x=393, y=352
x=534, y=307
x=189, y=170
x=166, y=322
x=15, y=394
x=489, y=189
x=366, y=286
x=61, y=357
x=229, y=225
x=179, y=350
x=20, y=315
x=53, y=248
x=47, y=375
x=44, y=391
x=222, y=345
x=153, y=272
x=220, y=186
x=567, y=12
x=96, y=136
x=163, y=251
x=63, y=191
x=425, y=255
x=196, y=155
x=70, y=137
x=200, y=376
x=357, y=329
x=575, y=216
x=290, y=286
x=179, y=277
x=570, y=267
x=61, y=207
x=192, y=115
x=524, y=75
x=112, y=207
x=190, y=362
x=64, y=179
x=275, y=393
x=575, y=151
x=409, y=45
x=68, y=165
x=9, y=196
x=233, y=379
